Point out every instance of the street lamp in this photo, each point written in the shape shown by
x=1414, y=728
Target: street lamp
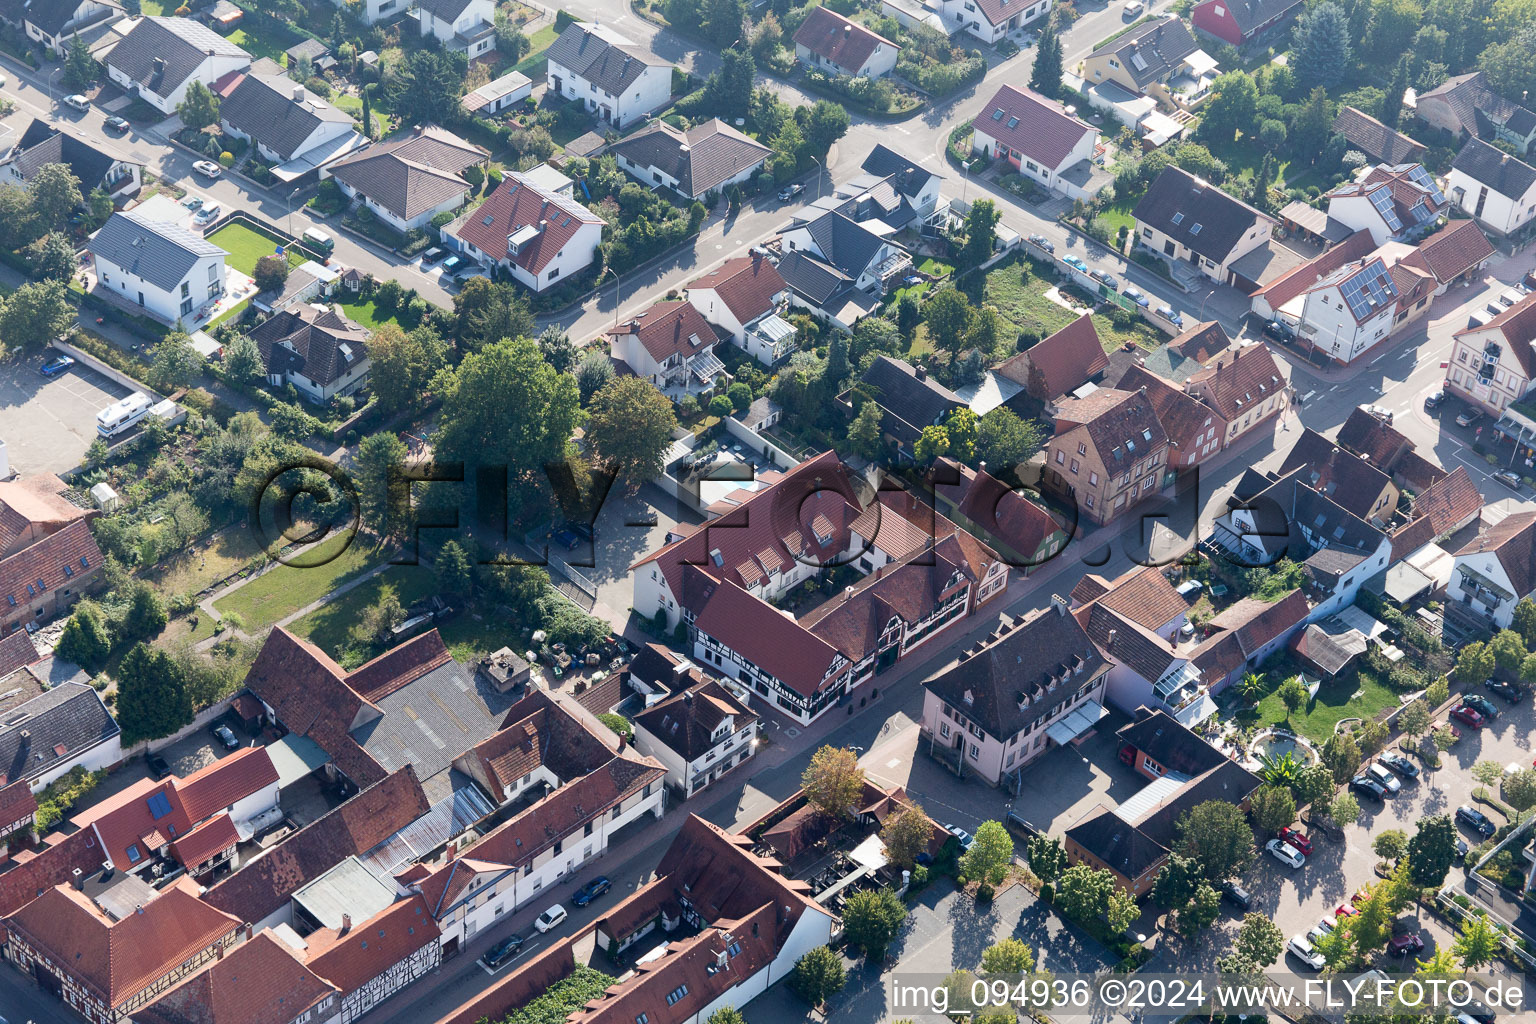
x=291, y=195
x=50, y=89
x=965, y=165
x=615, y=274
x=820, y=170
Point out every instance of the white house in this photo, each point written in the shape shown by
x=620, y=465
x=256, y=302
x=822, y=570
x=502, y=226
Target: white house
x=386, y=953
x=160, y=57
x=1184, y=218
x=1495, y=570
x=617, y=80
x=704, y=160
x=1351, y=310
x=43, y=143
x=700, y=734
x=410, y=179
x=375, y=11
x=1496, y=189
x=463, y=25
x=1038, y=138
x=316, y=349
x=744, y=297
x=1392, y=203
x=1492, y=366
x=989, y=20
x=672, y=346
x=290, y=126
x=832, y=43
x=169, y=271
x=540, y=237
x=65, y=726
x=53, y=23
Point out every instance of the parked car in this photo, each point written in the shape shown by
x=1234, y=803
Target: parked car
x=1467, y=417
x=193, y=202
x=1346, y=910
x=789, y=192
x=1300, y=948
x=503, y=951
x=1384, y=777
x=1133, y=8
x=1326, y=924
x=1044, y=243
x=159, y=767
x=1482, y=705
x=1137, y=296
x=1509, y=478
x=1435, y=400
x=1467, y=716
x=208, y=169
x=1462, y=849
x=1509, y=691
x=117, y=124
x=1285, y=853
x=1381, y=412
x=1295, y=839
x=1103, y=277
x=54, y=367
x=1237, y=895
x=1367, y=786
x=591, y=891
x=208, y=214
x=1401, y=765
x=222, y=733
x=432, y=255
x=77, y=101
x=1402, y=945
x=1476, y=820
x=961, y=834
x=1167, y=313
x=1280, y=330
x=454, y=264
x=551, y=918
x=1075, y=263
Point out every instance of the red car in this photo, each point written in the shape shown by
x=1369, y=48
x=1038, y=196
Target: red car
x=1345, y=910
x=1402, y=945
x=1360, y=896
x=1296, y=839
x=1467, y=716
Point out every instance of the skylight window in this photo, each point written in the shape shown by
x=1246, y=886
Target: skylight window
x=1196, y=229
x=997, y=115
x=1178, y=218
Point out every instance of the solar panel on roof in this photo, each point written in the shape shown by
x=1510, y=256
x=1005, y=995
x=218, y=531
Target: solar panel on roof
x=1419, y=176
x=1381, y=198
x=1367, y=290
x=159, y=806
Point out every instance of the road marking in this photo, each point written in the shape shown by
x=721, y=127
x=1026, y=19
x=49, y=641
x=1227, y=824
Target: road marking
x=894, y=762
x=1309, y=394
x=1378, y=359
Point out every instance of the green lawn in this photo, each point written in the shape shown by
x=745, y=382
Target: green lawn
x=533, y=65
x=246, y=245
x=364, y=312
x=1118, y=216
x=231, y=313
x=1335, y=701
x=1024, y=303
x=260, y=37
x=286, y=589
x=1140, y=333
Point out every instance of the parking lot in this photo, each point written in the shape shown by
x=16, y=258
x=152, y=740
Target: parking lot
x=48, y=423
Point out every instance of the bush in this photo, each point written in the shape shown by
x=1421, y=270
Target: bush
x=226, y=159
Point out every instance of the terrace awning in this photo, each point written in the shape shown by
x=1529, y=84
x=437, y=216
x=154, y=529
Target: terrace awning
x=1077, y=722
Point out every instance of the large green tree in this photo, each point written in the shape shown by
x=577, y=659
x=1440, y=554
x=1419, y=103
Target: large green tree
x=1231, y=109
x=1273, y=808
x=871, y=919
x=818, y=975
x=176, y=363
x=1005, y=442
x=53, y=194
x=53, y=257
x=1083, y=891
x=990, y=854
x=380, y=461
x=1216, y=834
x=35, y=314
x=728, y=91
x=1322, y=43
x=1200, y=912
x=85, y=639
x=833, y=780
x=1045, y=76
x=629, y=428
x=980, y=234
x=80, y=68
x=1176, y=881
x=948, y=315
x=200, y=107
x=906, y=835
x=152, y=698
x=1047, y=858
x=486, y=312
x=403, y=364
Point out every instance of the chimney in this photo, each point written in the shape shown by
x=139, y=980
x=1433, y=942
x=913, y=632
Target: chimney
x=249, y=929
x=138, y=908
x=346, y=924
x=1109, y=641
x=298, y=94
x=1059, y=603
x=78, y=878
x=922, y=371
x=847, y=594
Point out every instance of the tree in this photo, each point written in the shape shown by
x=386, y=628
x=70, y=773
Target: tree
x=948, y=315
x=425, y=87
x=906, y=835
x=53, y=257
x=720, y=20
x=367, y=112
x=35, y=314
x=864, y=432
x=990, y=854
x=1474, y=663
x=176, y=363
x=1008, y=956
x=404, y=364
x=836, y=369
x=1176, y=881
x=270, y=273
x=728, y=92
x=1478, y=944
x=1520, y=789
x=379, y=618
x=1508, y=650
x=1392, y=105
x=592, y=374
x=786, y=146
x=1121, y=909
x=980, y=233
x=1414, y=720
x=1004, y=441
x=818, y=975
x=1322, y=43
x=871, y=919
x=1313, y=784
x=1259, y=941
x=629, y=428
x=1231, y=108
x=1391, y=844
x=907, y=316
x=1342, y=756
x=85, y=640
x=1217, y=835
x=1524, y=622
x=960, y=428
x=291, y=422
x=1488, y=772
x=384, y=510
x=1345, y=809
x=1045, y=77
x=242, y=359
x=727, y=1015
x=1273, y=808
x=1293, y=694
x=740, y=394
x=822, y=124
x=486, y=312
x=200, y=108
x=833, y=780
x=151, y=698
x=452, y=569
x=1338, y=948
x=1265, y=175
x=931, y=444
x=1083, y=892
x=1312, y=125
x=1047, y=858
x=1200, y=912
x=53, y=194
x=1432, y=851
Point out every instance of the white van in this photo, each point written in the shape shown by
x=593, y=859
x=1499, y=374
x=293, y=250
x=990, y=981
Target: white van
x=318, y=240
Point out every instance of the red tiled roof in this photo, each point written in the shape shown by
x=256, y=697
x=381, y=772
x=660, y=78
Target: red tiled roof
x=833, y=37
x=1184, y=418
x=17, y=651
x=1517, y=326
x=1239, y=381
x=1373, y=438
x=746, y=284
x=1413, y=284
x=1449, y=503
x=260, y=981
x=441, y=888
x=45, y=559
x=121, y=958
x=1451, y=251
x=667, y=329
x=1202, y=342
x=16, y=803
x=399, y=666
x=1145, y=597
x=1060, y=364
x=54, y=865
x=1513, y=542
x=1028, y=123
x=205, y=841
x=762, y=634
x=538, y=731
x=349, y=960
x=1285, y=288
x=517, y=203
x=35, y=501
x=986, y=501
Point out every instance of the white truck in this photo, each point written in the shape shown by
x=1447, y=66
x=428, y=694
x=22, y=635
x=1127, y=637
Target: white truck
x=122, y=414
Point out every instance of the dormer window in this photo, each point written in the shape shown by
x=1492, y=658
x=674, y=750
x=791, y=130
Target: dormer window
x=969, y=698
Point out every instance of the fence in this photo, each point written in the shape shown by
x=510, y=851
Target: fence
x=585, y=590
x=105, y=369
x=199, y=721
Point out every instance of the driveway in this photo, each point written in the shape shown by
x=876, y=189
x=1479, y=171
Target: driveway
x=48, y=423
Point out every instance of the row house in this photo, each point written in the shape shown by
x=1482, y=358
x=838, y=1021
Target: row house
x=1495, y=570
x=260, y=981
x=1354, y=483
x=1032, y=684
x=1109, y=454
x=700, y=734
x=384, y=954
x=1492, y=366
x=743, y=299
x=1022, y=532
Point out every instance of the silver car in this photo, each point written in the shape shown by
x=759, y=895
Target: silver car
x=1388, y=781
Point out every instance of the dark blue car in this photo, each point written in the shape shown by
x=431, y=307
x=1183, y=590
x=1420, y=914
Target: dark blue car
x=591, y=891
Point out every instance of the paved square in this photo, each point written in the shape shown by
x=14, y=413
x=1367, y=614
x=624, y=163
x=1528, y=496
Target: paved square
x=48, y=423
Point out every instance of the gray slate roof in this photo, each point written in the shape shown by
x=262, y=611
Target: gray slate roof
x=445, y=10
x=432, y=720
x=182, y=42
x=1161, y=45
x=52, y=15
x=699, y=159
x=42, y=144
x=1495, y=168
x=812, y=278
x=1195, y=213
x=323, y=346
x=411, y=175
x=161, y=254
x=909, y=404
x=70, y=716
x=611, y=67
x=843, y=243
x=905, y=175
x=264, y=107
